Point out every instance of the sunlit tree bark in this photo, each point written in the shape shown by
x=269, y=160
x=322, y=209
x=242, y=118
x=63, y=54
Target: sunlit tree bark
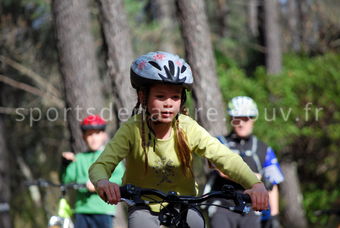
x=253, y=17
x=78, y=66
x=210, y=109
x=163, y=11
x=120, y=54
x=293, y=24
x=293, y=213
x=272, y=37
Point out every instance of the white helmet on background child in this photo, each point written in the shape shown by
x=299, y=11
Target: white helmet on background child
x=242, y=106
x=164, y=67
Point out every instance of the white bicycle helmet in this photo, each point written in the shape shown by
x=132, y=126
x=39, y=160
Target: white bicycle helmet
x=242, y=106
x=155, y=67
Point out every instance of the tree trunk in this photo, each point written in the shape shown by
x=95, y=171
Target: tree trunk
x=293, y=25
x=302, y=14
x=272, y=37
x=210, y=110
x=314, y=41
x=253, y=17
x=222, y=13
x=120, y=55
x=168, y=27
x=78, y=66
x=309, y=25
x=292, y=198
x=5, y=196
x=164, y=12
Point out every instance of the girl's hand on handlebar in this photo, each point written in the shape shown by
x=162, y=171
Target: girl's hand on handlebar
x=108, y=191
x=259, y=197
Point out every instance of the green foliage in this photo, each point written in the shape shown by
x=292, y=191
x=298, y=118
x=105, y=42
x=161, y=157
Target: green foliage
x=147, y=34
x=318, y=200
x=142, y=31
x=301, y=98
x=298, y=117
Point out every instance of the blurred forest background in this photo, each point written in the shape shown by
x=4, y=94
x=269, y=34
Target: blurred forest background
x=58, y=58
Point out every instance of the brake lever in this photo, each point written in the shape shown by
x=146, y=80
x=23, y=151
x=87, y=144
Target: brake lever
x=240, y=205
x=129, y=202
x=133, y=196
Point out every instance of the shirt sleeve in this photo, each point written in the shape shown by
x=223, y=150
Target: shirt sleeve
x=115, y=151
x=73, y=175
x=70, y=173
x=231, y=164
x=118, y=174
x=271, y=168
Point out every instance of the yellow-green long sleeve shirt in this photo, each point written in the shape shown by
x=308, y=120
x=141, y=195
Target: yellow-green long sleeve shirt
x=164, y=168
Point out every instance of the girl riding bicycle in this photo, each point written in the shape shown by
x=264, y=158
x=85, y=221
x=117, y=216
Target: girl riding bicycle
x=158, y=141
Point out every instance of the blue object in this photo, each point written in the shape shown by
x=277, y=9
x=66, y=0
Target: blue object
x=271, y=168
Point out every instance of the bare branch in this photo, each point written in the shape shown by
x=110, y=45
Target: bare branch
x=57, y=101
x=42, y=83
x=8, y=111
x=26, y=171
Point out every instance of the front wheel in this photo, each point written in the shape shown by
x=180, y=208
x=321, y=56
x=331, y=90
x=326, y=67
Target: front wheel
x=59, y=222
x=68, y=223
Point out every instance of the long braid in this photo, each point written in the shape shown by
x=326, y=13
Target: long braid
x=183, y=150
x=143, y=103
x=144, y=147
x=135, y=109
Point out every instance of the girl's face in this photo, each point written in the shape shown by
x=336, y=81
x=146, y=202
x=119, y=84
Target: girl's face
x=164, y=102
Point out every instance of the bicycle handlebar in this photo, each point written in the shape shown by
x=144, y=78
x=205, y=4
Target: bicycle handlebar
x=130, y=192
x=45, y=183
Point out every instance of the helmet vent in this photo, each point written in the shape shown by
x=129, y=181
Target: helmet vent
x=171, y=66
x=155, y=65
x=170, y=74
x=183, y=68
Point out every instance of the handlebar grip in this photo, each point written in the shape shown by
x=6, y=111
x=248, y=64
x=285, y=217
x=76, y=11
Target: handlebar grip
x=232, y=194
x=38, y=182
x=77, y=186
x=127, y=191
x=246, y=198
x=123, y=191
x=30, y=183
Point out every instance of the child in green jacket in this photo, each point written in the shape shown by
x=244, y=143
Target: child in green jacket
x=90, y=210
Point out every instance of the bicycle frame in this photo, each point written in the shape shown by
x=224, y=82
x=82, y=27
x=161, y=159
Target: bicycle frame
x=64, y=213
